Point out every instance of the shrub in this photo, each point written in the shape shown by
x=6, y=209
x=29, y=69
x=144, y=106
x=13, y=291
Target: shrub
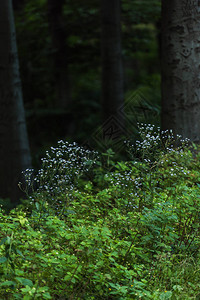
x=133, y=236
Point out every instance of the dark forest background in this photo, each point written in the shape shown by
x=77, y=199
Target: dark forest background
x=59, y=45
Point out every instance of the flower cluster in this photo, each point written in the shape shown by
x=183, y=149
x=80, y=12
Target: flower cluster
x=28, y=177
x=153, y=142
x=64, y=164
x=128, y=181
x=157, y=161
x=61, y=168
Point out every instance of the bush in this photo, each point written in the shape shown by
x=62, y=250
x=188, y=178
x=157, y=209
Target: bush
x=133, y=236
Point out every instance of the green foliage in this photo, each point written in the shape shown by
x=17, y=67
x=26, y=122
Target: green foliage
x=61, y=169
x=129, y=232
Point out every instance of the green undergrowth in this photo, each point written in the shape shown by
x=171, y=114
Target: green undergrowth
x=113, y=230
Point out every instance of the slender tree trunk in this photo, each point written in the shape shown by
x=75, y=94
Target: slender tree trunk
x=181, y=67
x=58, y=35
x=14, y=148
x=112, y=70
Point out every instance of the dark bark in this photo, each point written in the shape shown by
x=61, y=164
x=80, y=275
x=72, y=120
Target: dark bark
x=181, y=67
x=14, y=147
x=112, y=70
x=17, y=4
x=60, y=52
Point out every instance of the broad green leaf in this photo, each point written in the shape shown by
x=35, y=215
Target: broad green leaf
x=3, y=259
x=24, y=281
x=7, y=283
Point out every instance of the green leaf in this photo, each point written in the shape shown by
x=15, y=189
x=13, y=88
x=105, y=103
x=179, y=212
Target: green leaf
x=7, y=283
x=3, y=259
x=24, y=281
x=19, y=252
x=46, y=295
x=22, y=220
x=108, y=276
x=37, y=205
x=166, y=295
x=3, y=240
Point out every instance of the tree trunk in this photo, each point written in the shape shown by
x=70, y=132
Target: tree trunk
x=181, y=67
x=17, y=4
x=60, y=55
x=14, y=147
x=112, y=70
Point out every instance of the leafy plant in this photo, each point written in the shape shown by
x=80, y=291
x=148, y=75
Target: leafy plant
x=131, y=232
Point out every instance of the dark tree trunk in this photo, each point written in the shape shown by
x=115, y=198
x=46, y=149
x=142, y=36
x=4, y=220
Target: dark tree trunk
x=112, y=70
x=17, y=4
x=14, y=147
x=181, y=67
x=60, y=49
